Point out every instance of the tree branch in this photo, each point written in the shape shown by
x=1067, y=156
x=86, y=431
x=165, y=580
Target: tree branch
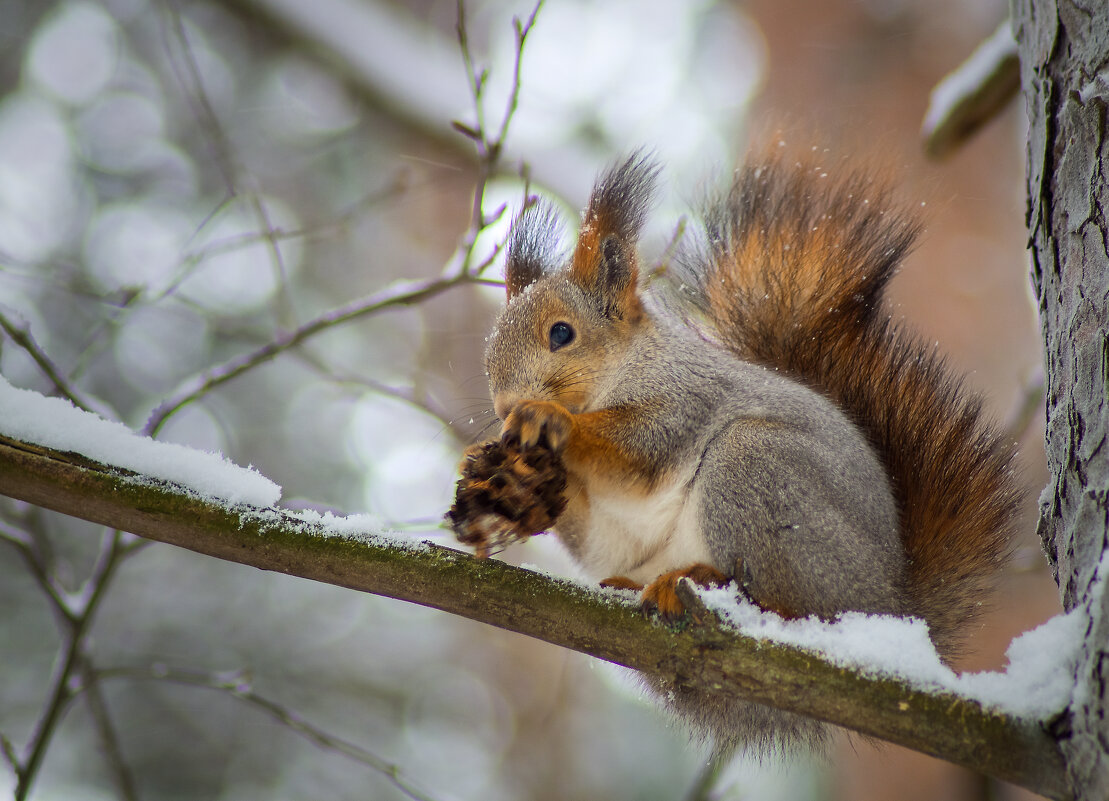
x=21, y=335
x=106, y=730
x=942, y=724
x=403, y=294
x=75, y=622
x=223, y=154
x=237, y=685
x=976, y=92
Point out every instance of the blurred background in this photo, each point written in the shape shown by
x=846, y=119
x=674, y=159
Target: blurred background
x=182, y=182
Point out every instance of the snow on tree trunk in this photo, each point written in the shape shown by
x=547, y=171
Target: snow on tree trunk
x=1064, y=50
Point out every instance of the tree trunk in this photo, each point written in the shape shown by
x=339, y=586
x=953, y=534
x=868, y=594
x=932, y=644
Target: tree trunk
x=1064, y=50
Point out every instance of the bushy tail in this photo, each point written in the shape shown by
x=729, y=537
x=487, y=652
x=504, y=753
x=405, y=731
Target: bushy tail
x=791, y=276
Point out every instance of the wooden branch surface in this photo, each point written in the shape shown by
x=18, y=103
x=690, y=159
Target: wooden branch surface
x=557, y=611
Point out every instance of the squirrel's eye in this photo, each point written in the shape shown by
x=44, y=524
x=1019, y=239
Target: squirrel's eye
x=561, y=334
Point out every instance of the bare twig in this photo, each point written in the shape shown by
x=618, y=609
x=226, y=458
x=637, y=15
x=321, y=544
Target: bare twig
x=662, y=263
x=522, y=30
x=408, y=395
x=459, y=269
x=397, y=186
x=97, y=340
x=21, y=336
x=39, y=571
x=476, y=81
x=489, y=148
x=16, y=537
x=237, y=685
x=223, y=153
x=73, y=619
x=8, y=750
x=109, y=739
x=404, y=294
x=77, y=624
x=1029, y=407
x=707, y=779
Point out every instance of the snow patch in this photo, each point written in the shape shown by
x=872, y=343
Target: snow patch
x=56, y=423
x=1040, y=678
x=362, y=528
x=1036, y=685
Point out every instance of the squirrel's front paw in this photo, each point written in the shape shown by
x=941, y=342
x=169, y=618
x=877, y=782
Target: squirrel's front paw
x=534, y=422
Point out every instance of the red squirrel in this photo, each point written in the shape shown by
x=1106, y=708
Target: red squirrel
x=751, y=413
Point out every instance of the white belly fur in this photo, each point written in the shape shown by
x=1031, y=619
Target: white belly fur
x=642, y=538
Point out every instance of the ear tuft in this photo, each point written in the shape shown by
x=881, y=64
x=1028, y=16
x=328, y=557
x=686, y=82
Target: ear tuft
x=532, y=247
x=604, y=261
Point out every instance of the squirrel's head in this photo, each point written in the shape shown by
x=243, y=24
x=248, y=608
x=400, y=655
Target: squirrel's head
x=565, y=326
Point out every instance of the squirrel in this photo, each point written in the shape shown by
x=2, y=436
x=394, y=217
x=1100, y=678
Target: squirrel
x=750, y=413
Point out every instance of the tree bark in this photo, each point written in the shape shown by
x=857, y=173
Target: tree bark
x=1064, y=50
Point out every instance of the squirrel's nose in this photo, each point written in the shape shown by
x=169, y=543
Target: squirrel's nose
x=503, y=403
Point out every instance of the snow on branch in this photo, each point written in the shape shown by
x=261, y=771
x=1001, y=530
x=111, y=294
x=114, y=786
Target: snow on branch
x=56, y=423
x=973, y=94
x=878, y=676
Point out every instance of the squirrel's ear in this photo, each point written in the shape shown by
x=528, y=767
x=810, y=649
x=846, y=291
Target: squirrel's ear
x=615, y=276
x=604, y=262
x=532, y=247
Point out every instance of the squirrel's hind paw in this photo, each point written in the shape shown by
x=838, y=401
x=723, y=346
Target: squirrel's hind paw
x=506, y=495
x=621, y=583
x=662, y=594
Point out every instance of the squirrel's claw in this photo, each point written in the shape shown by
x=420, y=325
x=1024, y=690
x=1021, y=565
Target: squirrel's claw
x=534, y=422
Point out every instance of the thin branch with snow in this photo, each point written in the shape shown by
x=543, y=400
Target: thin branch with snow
x=973, y=94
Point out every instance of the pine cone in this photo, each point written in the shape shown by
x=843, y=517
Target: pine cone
x=506, y=495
